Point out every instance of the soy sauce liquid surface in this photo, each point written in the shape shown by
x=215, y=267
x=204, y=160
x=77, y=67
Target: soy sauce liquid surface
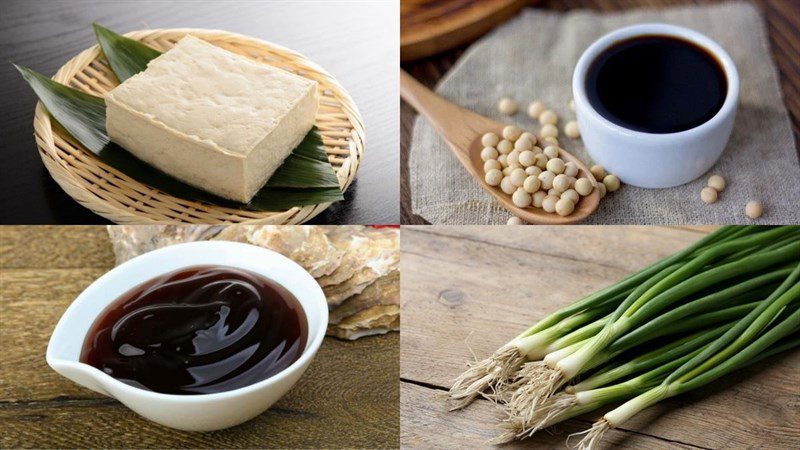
x=656, y=84
x=198, y=330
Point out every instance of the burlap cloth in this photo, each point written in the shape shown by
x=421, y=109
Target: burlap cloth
x=532, y=57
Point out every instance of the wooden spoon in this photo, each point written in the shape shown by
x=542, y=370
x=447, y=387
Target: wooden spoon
x=462, y=130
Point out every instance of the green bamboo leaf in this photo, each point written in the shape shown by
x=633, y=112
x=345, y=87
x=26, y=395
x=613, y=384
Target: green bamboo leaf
x=83, y=116
x=279, y=199
x=126, y=56
x=311, y=149
x=304, y=168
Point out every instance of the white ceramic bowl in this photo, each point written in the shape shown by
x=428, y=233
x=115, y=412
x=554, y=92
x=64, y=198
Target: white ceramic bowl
x=647, y=159
x=203, y=412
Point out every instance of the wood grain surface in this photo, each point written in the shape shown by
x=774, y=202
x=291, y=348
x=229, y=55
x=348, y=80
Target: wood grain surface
x=783, y=24
x=357, y=42
x=431, y=26
x=348, y=397
x=471, y=289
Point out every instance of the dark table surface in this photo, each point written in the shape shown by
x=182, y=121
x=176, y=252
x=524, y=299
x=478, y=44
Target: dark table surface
x=783, y=24
x=357, y=42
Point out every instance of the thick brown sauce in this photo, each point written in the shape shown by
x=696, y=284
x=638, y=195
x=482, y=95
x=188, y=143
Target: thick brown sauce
x=198, y=330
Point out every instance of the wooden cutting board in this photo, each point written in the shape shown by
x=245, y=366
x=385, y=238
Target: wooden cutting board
x=428, y=27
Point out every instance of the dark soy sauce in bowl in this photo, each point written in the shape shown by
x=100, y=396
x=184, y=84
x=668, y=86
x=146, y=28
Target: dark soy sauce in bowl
x=198, y=330
x=656, y=84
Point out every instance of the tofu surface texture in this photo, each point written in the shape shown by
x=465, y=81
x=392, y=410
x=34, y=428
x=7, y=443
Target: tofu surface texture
x=212, y=118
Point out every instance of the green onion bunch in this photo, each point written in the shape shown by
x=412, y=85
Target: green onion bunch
x=727, y=301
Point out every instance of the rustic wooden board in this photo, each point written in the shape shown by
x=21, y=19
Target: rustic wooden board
x=428, y=27
x=623, y=249
x=425, y=425
x=55, y=247
x=348, y=397
x=474, y=288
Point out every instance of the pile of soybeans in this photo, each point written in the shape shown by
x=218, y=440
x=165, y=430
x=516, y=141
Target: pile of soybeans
x=534, y=176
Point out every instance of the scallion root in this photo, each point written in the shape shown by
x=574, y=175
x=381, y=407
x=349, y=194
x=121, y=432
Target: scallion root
x=593, y=435
x=503, y=391
x=547, y=414
x=509, y=434
x=490, y=373
x=530, y=373
x=537, y=382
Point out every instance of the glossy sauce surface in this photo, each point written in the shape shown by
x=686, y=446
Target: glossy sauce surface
x=656, y=84
x=198, y=330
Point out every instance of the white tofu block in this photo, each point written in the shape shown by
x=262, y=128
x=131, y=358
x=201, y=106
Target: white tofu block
x=212, y=118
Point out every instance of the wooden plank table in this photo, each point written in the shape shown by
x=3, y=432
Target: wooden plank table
x=783, y=25
x=347, y=398
x=474, y=288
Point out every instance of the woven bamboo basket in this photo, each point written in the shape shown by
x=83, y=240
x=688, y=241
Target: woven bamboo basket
x=119, y=198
